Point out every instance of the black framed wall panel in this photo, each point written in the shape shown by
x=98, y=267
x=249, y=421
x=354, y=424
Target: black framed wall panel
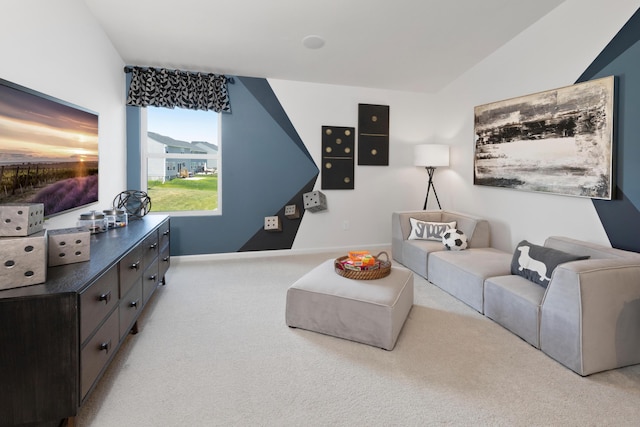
x=373, y=135
x=338, y=144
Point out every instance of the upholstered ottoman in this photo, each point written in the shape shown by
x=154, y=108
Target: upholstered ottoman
x=367, y=311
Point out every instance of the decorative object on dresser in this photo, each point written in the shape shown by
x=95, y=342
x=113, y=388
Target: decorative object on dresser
x=68, y=246
x=94, y=222
x=431, y=156
x=80, y=315
x=134, y=202
x=23, y=245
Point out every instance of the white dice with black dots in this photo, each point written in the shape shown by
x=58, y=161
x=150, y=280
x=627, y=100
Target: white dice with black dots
x=315, y=201
x=272, y=223
x=23, y=260
x=21, y=219
x=292, y=212
x=69, y=245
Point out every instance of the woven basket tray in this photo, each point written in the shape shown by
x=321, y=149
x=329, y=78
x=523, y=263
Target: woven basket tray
x=383, y=270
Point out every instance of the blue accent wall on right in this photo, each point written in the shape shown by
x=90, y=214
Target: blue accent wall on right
x=621, y=57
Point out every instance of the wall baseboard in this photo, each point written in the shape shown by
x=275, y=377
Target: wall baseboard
x=177, y=260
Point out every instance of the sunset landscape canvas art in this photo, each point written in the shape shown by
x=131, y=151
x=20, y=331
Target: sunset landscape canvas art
x=48, y=151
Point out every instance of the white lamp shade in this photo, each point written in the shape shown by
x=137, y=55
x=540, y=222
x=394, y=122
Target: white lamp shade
x=431, y=155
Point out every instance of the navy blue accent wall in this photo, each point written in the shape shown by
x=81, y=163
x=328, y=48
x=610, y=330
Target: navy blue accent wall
x=133, y=144
x=271, y=240
x=133, y=148
x=265, y=165
x=262, y=92
x=621, y=57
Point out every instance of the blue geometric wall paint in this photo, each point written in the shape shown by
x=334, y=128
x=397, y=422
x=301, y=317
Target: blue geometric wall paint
x=621, y=57
x=265, y=165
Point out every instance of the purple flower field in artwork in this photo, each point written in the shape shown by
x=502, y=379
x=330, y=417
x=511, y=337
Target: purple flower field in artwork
x=68, y=194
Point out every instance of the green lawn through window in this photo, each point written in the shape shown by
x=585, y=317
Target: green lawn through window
x=198, y=193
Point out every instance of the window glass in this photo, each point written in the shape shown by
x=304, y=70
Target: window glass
x=182, y=170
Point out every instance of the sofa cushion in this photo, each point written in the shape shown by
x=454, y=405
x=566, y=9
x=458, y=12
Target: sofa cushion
x=514, y=302
x=536, y=263
x=425, y=230
x=415, y=254
x=462, y=273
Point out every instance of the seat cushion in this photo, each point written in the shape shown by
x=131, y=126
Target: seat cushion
x=514, y=302
x=462, y=273
x=415, y=254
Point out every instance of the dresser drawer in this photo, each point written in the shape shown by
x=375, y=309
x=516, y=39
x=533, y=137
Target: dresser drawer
x=150, y=280
x=150, y=246
x=164, y=262
x=97, y=352
x=164, y=231
x=97, y=301
x=130, y=269
x=130, y=308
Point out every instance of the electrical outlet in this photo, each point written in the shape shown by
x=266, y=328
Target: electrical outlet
x=345, y=225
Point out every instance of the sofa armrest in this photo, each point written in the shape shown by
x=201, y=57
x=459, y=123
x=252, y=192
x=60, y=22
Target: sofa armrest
x=590, y=315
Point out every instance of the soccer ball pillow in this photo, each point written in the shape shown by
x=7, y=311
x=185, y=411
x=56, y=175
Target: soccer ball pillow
x=454, y=240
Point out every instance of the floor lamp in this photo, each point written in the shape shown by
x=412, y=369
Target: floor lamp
x=431, y=156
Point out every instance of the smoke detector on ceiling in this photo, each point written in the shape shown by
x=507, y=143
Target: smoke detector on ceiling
x=313, y=42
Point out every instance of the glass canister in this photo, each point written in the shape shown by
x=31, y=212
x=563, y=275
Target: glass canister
x=93, y=221
x=116, y=218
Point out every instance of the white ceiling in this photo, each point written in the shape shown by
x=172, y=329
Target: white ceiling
x=413, y=45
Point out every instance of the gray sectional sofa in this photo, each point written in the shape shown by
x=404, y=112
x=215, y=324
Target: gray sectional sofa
x=587, y=317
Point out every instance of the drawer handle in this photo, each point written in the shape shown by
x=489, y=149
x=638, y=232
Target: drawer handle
x=153, y=277
x=105, y=346
x=153, y=245
x=165, y=259
x=106, y=297
x=134, y=304
x=166, y=233
x=135, y=266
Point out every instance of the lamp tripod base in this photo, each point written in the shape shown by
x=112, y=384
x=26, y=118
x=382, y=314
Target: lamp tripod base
x=430, y=171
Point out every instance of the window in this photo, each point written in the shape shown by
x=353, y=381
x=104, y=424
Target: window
x=182, y=156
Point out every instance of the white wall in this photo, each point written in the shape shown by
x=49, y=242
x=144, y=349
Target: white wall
x=379, y=190
x=552, y=53
x=57, y=48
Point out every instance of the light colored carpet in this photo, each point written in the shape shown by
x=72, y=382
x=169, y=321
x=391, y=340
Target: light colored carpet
x=214, y=350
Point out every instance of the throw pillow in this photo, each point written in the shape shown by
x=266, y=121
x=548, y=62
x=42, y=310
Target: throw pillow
x=536, y=263
x=424, y=230
x=454, y=240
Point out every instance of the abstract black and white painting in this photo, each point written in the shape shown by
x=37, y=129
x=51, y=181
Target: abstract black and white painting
x=559, y=141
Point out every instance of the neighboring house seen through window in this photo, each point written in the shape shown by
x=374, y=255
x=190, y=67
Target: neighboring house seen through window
x=182, y=160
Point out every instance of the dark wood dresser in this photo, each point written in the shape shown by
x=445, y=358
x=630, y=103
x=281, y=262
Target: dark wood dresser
x=57, y=338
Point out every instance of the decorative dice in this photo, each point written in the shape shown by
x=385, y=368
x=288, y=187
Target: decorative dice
x=69, y=245
x=23, y=260
x=272, y=223
x=21, y=219
x=315, y=201
x=292, y=212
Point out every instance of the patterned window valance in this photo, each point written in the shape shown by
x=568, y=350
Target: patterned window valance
x=159, y=87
